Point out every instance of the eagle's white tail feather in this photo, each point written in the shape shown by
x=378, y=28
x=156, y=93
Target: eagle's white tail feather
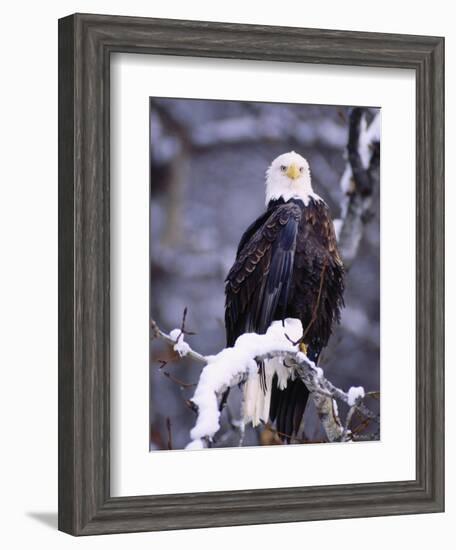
x=256, y=400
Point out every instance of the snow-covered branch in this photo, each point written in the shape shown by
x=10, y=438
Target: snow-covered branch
x=358, y=182
x=233, y=366
x=176, y=339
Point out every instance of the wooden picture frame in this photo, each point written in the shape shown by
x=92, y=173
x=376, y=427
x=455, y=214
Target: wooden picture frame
x=85, y=45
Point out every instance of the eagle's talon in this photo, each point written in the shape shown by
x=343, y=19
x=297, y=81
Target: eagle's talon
x=303, y=347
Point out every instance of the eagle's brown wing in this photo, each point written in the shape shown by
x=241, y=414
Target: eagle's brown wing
x=318, y=282
x=257, y=285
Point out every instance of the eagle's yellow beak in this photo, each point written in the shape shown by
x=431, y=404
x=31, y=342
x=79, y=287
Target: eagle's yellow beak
x=293, y=171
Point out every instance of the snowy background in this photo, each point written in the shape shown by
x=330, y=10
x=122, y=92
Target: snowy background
x=208, y=160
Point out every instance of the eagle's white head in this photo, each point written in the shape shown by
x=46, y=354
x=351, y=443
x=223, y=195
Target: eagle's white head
x=289, y=177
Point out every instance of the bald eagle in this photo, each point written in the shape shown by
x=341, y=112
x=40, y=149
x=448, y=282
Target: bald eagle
x=287, y=265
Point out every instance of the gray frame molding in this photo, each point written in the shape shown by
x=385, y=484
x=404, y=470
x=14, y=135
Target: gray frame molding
x=85, y=45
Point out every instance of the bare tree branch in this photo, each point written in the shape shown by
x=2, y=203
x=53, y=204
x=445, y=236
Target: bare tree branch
x=358, y=183
x=360, y=178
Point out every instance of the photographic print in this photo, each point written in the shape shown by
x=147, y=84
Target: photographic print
x=264, y=274
x=238, y=243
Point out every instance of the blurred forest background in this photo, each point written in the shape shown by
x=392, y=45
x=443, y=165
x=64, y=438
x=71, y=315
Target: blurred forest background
x=207, y=172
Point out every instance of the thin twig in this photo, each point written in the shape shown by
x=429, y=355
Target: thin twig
x=159, y=334
x=168, y=429
x=361, y=426
x=189, y=403
x=183, y=329
x=176, y=380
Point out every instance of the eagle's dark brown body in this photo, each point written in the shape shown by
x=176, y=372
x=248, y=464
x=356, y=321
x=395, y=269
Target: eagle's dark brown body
x=287, y=265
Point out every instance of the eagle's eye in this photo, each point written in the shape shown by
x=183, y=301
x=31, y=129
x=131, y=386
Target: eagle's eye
x=301, y=169
x=283, y=168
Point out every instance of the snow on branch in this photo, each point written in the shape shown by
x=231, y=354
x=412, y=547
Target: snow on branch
x=176, y=339
x=233, y=366
x=358, y=182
